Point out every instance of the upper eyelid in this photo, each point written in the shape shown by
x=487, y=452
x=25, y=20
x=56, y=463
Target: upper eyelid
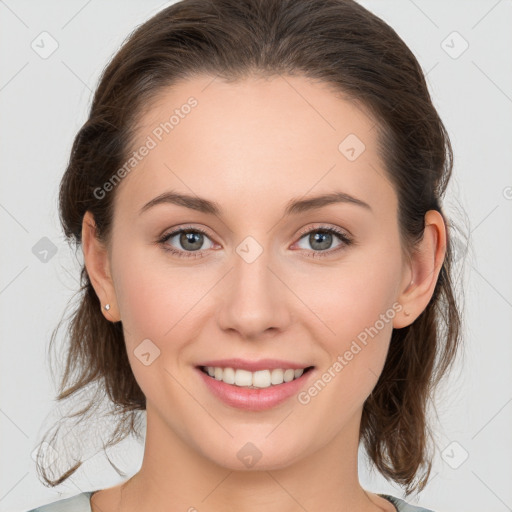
x=302, y=233
x=325, y=227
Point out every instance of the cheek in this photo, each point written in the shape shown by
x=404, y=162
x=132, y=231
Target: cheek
x=148, y=296
x=152, y=307
x=355, y=305
x=353, y=296
x=157, y=299
x=359, y=314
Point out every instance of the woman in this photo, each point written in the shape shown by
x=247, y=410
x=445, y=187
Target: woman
x=257, y=194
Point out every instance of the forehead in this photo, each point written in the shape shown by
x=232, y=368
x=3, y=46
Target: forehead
x=254, y=139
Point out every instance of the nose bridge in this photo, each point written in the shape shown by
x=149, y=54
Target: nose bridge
x=254, y=299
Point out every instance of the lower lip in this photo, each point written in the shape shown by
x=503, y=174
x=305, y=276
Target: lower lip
x=254, y=399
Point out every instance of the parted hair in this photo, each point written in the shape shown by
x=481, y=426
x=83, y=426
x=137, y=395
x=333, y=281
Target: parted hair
x=337, y=42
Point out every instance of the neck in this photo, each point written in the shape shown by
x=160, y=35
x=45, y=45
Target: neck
x=175, y=477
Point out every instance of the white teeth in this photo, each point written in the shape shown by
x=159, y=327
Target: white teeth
x=277, y=376
x=288, y=375
x=259, y=379
x=228, y=376
x=242, y=377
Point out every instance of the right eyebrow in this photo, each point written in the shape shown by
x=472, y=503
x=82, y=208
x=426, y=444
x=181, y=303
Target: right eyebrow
x=192, y=202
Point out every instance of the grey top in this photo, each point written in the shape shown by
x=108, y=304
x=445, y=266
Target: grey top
x=82, y=503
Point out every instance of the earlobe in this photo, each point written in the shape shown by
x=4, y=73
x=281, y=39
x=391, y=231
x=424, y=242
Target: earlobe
x=98, y=268
x=425, y=264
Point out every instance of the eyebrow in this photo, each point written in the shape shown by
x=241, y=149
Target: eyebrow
x=293, y=207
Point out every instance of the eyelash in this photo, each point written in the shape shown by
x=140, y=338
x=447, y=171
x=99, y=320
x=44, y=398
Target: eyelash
x=199, y=254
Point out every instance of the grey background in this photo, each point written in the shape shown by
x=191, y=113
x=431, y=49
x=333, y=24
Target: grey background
x=43, y=102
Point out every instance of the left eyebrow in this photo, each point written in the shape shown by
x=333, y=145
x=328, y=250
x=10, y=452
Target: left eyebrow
x=294, y=206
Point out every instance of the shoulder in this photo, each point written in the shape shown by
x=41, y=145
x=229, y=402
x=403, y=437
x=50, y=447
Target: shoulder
x=403, y=506
x=79, y=503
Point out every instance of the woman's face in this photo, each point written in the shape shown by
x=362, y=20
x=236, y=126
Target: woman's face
x=265, y=280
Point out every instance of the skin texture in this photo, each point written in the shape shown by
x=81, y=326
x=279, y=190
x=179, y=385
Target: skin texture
x=252, y=146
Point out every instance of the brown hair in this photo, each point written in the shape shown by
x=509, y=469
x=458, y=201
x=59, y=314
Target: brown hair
x=342, y=44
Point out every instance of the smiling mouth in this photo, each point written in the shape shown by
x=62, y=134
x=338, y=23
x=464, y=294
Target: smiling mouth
x=254, y=380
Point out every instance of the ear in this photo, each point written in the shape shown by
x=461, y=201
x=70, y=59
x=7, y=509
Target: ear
x=98, y=268
x=423, y=270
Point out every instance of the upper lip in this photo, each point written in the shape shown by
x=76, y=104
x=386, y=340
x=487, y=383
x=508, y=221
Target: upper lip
x=254, y=366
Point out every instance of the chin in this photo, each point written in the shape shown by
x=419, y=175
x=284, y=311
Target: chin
x=243, y=454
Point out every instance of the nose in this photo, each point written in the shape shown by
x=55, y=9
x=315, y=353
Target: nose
x=255, y=300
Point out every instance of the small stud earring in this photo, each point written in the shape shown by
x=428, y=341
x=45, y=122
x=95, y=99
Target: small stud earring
x=406, y=313
x=107, y=306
